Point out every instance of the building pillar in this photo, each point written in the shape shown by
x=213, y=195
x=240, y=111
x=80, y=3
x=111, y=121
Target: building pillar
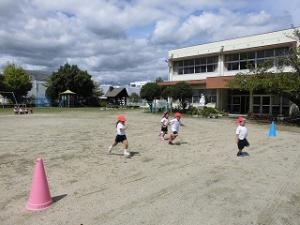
x=221, y=62
x=222, y=99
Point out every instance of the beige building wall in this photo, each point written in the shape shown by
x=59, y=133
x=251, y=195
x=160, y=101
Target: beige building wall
x=220, y=48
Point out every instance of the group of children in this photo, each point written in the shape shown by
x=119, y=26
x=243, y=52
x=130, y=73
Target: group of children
x=175, y=124
x=121, y=126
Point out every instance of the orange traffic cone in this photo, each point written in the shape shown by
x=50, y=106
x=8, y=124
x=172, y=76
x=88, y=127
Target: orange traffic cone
x=40, y=197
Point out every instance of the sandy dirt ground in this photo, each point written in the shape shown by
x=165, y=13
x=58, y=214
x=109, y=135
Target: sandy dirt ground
x=200, y=181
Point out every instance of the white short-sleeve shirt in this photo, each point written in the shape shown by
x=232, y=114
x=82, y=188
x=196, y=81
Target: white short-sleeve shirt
x=164, y=121
x=120, y=129
x=242, y=131
x=175, y=124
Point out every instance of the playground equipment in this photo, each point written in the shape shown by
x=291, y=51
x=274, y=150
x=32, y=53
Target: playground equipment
x=13, y=98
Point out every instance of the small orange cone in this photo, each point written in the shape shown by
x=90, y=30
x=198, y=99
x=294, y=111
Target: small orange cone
x=40, y=197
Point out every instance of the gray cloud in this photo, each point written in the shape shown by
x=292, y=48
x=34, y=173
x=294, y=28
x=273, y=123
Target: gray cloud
x=99, y=35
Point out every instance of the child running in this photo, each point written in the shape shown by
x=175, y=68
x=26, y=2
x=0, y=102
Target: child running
x=164, y=122
x=175, y=123
x=241, y=135
x=121, y=137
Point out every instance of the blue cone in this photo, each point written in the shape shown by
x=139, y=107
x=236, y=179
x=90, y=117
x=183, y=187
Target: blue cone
x=272, y=130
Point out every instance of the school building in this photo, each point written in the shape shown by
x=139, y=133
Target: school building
x=208, y=67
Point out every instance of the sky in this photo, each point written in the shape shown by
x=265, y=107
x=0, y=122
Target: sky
x=122, y=41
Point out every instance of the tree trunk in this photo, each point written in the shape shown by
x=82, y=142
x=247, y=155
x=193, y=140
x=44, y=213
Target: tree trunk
x=150, y=105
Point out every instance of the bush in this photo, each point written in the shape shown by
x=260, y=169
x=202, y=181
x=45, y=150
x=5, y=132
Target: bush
x=194, y=111
x=209, y=112
x=103, y=104
x=177, y=109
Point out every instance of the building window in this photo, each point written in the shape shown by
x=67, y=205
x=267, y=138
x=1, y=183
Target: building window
x=255, y=59
x=198, y=65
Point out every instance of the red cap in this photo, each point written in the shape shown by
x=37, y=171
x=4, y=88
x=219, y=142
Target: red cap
x=240, y=119
x=165, y=113
x=121, y=118
x=178, y=114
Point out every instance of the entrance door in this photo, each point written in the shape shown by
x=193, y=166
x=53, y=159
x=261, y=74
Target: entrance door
x=239, y=104
x=244, y=104
x=262, y=104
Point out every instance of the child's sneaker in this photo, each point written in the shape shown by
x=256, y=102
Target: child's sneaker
x=109, y=149
x=171, y=143
x=126, y=154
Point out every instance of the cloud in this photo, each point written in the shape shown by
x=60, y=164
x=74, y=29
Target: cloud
x=216, y=25
x=126, y=40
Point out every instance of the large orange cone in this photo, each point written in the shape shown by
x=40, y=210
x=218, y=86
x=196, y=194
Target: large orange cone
x=40, y=197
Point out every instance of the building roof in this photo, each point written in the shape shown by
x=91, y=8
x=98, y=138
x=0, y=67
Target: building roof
x=283, y=37
x=68, y=92
x=105, y=88
x=115, y=92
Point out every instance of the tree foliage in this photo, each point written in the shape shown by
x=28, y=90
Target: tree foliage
x=286, y=84
x=134, y=97
x=158, y=80
x=150, y=91
x=2, y=86
x=181, y=92
x=16, y=80
x=72, y=78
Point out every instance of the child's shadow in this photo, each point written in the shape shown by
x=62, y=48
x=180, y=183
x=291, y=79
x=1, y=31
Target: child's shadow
x=244, y=154
x=180, y=143
x=132, y=154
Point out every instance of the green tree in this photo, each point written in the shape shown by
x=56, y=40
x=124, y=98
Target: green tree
x=159, y=79
x=16, y=80
x=181, y=92
x=134, y=97
x=150, y=91
x=2, y=86
x=72, y=78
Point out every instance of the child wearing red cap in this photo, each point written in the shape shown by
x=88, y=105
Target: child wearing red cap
x=175, y=123
x=121, y=137
x=241, y=135
x=164, y=122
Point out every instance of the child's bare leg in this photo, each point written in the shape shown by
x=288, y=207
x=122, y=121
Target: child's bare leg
x=172, y=137
x=125, y=143
x=126, y=153
x=161, y=135
x=165, y=138
x=239, y=152
x=110, y=147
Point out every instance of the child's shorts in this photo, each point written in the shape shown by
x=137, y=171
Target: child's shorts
x=164, y=129
x=242, y=143
x=120, y=138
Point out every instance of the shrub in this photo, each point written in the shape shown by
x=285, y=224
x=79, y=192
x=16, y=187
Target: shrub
x=103, y=104
x=195, y=111
x=209, y=112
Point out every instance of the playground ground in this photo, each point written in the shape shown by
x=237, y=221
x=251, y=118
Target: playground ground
x=200, y=181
